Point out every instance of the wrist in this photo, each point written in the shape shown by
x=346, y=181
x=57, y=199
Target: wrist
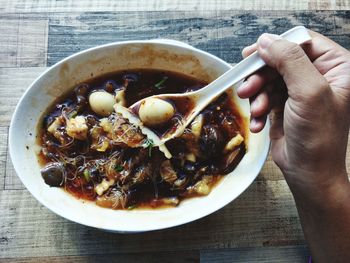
x=321, y=194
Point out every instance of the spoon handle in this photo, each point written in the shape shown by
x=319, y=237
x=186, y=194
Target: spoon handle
x=248, y=66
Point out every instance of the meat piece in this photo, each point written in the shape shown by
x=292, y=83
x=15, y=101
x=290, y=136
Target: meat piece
x=234, y=142
x=58, y=130
x=125, y=133
x=190, y=157
x=55, y=125
x=120, y=97
x=106, y=125
x=196, y=125
x=167, y=172
x=191, y=143
x=103, y=186
x=100, y=142
x=135, y=157
x=142, y=174
x=202, y=187
x=115, y=199
x=77, y=128
x=230, y=125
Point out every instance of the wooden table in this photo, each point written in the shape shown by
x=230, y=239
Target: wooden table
x=262, y=225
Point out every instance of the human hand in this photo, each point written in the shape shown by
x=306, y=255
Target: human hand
x=308, y=94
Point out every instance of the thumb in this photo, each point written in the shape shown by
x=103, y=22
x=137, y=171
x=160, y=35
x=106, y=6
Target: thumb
x=289, y=59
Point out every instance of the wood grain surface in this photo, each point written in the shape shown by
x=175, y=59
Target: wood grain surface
x=262, y=225
x=30, y=6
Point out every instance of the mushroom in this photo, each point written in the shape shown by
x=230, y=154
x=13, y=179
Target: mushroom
x=53, y=174
x=231, y=159
x=211, y=141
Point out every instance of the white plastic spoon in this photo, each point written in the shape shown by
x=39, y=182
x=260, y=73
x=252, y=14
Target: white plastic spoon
x=201, y=98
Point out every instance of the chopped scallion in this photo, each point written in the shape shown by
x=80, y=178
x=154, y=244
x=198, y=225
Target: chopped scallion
x=118, y=168
x=132, y=207
x=72, y=114
x=87, y=175
x=159, y=84
x=149, y=144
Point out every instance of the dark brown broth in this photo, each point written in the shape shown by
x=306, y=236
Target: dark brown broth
x=145, y=195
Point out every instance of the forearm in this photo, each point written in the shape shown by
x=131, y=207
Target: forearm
x=325, y=218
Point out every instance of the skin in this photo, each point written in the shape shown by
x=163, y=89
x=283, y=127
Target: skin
x=306, y=91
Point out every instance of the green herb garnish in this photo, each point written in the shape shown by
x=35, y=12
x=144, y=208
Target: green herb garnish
x=72, y=114
x=159, y=84
x=132, y=207
x=87, y=175
x=149, y=144
x=118, y=168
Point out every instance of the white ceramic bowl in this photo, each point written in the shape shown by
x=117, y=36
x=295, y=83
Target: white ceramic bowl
x=157, y=54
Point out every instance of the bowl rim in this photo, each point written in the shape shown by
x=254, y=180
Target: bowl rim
x=77, y=219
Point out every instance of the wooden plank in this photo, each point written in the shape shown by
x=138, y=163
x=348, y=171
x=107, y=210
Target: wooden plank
x=270, y=171
x=328, y=5
x=221, y=33
x=264, y=215
x=287, y=254
x=163, y=257
x=342, y=24
x=8, y=42
x=3, y=155
x=12, y=181
x=23, y=42
x=14, y=81
x=27, y=6
x=321, y=5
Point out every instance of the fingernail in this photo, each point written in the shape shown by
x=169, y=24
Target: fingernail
x=255, y=104
x=253, y=124
x=265, y=40
x=242, y=86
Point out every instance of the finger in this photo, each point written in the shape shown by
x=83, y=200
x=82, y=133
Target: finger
x=289, y=59
x=320, y=45
x=276, y=118
x=277, y=138
x=259, y=105
x=256, y=82
x=257, y=124
x=249, y=50
x=278, y=94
